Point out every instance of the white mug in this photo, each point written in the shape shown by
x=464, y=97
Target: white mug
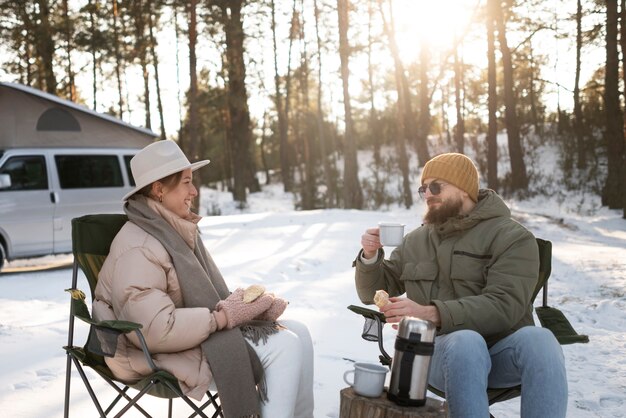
x=369, y=379
x=391, y=233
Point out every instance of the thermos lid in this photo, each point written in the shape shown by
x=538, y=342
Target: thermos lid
x=412, y=325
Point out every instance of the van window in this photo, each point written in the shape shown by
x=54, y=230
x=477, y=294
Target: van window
x=28, y=172
x=127, y=159
x=87, y=171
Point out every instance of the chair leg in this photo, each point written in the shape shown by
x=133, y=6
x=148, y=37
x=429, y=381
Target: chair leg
x=89, y=388
x=119, y=396
x=193, y=406
x=122, y=394
x=68, y=375
x=218, y=407
x=133, y=402
x=211, y=401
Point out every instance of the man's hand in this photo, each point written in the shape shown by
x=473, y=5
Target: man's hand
x=401, y=307
x=370, y=241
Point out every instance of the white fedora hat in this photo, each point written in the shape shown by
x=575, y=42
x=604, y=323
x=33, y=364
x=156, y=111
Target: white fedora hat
x=158, y=160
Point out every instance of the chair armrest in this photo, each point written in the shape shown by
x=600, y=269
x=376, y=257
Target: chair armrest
x=80, y=311
x=368, y=313
x=114, y=325
x=554, y=320
x=124, y=327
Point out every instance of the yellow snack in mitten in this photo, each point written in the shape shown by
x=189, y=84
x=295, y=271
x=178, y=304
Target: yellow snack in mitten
x=253, y=292
x=381, y=298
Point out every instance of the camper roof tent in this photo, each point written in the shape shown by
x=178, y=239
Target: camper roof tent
x=32, y=118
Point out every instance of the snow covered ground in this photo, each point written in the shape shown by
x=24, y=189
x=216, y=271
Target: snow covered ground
x=306, y=257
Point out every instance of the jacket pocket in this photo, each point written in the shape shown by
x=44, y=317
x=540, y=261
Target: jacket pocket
x=469, y=272
x=418, y=280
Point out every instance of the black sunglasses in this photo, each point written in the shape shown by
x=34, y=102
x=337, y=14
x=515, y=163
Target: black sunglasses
x=434, y=187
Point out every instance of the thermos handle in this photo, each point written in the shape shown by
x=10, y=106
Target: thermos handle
x=406, y=371
x=414, y=346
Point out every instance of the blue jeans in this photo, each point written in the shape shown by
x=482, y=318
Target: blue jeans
x=463, y=367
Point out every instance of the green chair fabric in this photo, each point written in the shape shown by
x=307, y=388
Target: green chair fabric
x=91, y=241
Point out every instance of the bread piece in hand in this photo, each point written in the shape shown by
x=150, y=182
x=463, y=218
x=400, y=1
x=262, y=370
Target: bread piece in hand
x=381, y=298
x=253, y=292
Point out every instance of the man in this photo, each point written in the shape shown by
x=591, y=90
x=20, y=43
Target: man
x=471, y=270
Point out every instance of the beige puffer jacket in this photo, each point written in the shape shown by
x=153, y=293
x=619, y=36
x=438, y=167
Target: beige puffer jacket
x=138, y=283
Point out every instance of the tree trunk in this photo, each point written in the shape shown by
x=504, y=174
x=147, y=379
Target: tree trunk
x=142, y=51
x=623, y=47
x=262, y=147
x=285, y=168
x=352, y=193
x=459, y=132
x=612, y=193
x=155, y=64
x=328, y=177
x=352, y=405
x=310, y=162
x=492, y=131
x=26, y=43
x=578, y=112
x=178, y=87
x=94, y=55
x=118, y=59
x=125, y=62
x=424, y=105
x=534, y=114
x=192, y=137
x=445, y=123
x=71, y=86
x=45, y=46
x=373, y=119
x=239, y=129
x=519, y=179
x=404, y=114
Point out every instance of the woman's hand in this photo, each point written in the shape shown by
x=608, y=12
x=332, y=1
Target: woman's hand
x=275, y=310
x=238, y=312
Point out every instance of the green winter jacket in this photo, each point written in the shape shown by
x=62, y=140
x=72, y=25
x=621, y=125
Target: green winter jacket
x=479, y=270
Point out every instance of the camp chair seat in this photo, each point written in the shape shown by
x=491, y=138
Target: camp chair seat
x=91, y=240
x=549, y=317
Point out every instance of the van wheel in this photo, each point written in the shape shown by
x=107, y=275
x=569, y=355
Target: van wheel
x=2, y=255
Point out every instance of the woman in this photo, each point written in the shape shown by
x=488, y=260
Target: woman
x=159, y=274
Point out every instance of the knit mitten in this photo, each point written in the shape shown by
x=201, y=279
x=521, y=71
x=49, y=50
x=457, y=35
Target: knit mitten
x=238, y=312
x=275, y=310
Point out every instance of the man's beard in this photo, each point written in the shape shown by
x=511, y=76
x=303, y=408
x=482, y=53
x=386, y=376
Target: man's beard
x=445, y=211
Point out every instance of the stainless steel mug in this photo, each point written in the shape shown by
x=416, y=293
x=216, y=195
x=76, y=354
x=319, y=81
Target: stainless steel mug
x=411, y=362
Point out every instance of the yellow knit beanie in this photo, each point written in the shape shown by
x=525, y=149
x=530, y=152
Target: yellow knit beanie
x=456, y=169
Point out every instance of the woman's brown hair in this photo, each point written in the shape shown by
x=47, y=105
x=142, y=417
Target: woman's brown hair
x=170, y=181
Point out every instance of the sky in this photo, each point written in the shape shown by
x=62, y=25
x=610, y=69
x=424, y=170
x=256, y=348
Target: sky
x=306, y=258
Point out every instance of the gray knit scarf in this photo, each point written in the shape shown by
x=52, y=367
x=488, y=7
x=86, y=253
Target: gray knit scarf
x=237, y=371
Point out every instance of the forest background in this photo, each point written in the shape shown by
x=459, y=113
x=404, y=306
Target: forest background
x=294, y=88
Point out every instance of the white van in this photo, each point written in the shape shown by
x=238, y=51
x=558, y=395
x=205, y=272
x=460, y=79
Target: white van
x=42, y=189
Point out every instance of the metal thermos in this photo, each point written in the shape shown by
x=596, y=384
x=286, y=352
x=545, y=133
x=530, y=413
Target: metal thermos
x=411, y=362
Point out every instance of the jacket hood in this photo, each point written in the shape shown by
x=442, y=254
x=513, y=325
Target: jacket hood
x=490, y=205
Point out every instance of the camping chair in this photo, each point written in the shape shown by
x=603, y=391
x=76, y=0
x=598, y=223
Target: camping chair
x=549, y=317
x=91, y=240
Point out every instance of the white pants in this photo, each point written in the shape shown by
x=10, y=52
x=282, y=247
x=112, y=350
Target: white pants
x=287, y=359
